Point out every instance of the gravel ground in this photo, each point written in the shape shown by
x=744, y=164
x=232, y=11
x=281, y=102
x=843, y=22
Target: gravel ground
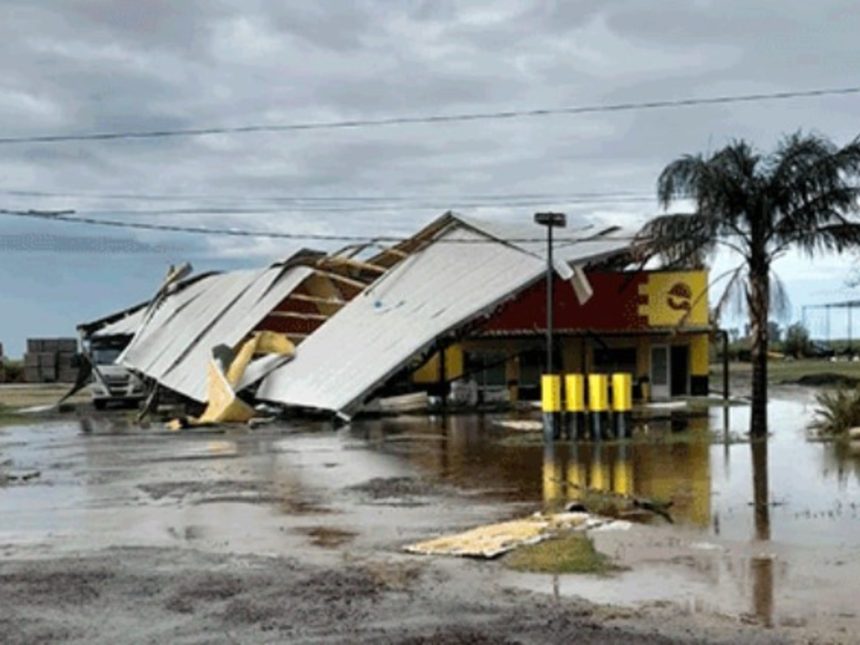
x=124, y=595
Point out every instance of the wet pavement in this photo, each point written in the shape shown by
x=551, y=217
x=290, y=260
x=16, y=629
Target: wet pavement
x=308, y=490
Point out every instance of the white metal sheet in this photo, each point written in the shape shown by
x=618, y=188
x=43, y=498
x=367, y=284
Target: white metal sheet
x=175, y=345
x=455, y=279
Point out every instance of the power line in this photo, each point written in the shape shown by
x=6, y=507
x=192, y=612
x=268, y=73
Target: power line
x=69, y=217
x=211, y=210
x=430, y=119
x=324, y=199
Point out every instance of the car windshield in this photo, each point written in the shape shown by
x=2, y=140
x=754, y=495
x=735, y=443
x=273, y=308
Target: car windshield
x=105, y=355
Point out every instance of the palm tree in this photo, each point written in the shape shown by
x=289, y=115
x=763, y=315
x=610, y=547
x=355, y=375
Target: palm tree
x=759, y=206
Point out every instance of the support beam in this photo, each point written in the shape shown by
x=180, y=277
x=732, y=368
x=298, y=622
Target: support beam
x=350, y=262
x=336, y=302
x=298, y=314
x=393, y=251
x=358, y=284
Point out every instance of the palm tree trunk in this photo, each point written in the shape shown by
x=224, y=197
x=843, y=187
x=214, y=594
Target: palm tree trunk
x=759, y=300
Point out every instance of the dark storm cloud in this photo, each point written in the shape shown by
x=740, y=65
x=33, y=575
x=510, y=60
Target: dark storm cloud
x=99, y=65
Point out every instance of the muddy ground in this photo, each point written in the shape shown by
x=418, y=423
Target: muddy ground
x=285, y=533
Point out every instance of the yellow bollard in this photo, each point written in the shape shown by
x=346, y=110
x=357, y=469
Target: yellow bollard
x=598, y=404
x=574, y=405
x=598, y=393
x=550, y=389
x=622, y=403
x=622, y=392
x=574, y=385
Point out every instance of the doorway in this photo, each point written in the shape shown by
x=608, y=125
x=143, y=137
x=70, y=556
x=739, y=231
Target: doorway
x=660, y=368
x=680, y=370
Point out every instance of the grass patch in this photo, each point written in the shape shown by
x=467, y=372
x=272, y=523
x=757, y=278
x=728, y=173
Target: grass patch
x=8, y=416
x=571, y=553
x=790, y=371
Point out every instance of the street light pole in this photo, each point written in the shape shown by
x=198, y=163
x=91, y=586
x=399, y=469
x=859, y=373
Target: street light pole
x=551, y=382
x=549, y=300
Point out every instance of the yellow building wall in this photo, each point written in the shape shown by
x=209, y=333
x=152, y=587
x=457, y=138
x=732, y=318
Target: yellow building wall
x=429, y=372
x=675, y=297
x=699, y=354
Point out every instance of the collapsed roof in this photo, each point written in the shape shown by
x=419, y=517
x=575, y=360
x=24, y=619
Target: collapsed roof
x=458, y=270
x=174, y=335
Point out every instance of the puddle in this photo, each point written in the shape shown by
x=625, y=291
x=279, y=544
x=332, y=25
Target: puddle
x=767, y=533
x=794, y=556
x=814, y=487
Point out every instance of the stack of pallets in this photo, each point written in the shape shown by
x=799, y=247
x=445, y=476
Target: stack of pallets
x=50, y=360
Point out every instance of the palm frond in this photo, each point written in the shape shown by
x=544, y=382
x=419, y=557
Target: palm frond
x=812, y=181
x=780, y=304
x=733, y=292
x=679, y=240
x=833, y=237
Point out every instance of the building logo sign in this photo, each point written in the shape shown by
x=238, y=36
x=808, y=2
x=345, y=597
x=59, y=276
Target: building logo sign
x=679, y=297
x=668, y=298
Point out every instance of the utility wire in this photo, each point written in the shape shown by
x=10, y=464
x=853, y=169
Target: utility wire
x=432, y=119
x=69, y=217
x=323, y=199
x=214, y=210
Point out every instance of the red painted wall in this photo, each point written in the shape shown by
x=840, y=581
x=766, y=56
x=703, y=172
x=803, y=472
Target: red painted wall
x=613, y=307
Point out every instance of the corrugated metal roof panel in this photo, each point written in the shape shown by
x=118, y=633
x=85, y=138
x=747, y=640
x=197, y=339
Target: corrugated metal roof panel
x=420, y=299
x=432, y=292
x=175, y=345
x=126, y=326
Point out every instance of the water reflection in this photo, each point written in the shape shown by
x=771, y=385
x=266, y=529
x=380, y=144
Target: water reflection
x=761, y=567
x=762, y=589
x=714, y=482
x=761, y=497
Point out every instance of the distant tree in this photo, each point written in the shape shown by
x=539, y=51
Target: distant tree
x=774, y=331
x=796, y=340
x=800, y=196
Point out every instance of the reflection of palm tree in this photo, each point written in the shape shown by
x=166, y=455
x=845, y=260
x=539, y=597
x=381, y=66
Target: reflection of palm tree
x=761, y=567
x=760, y=489
x=762, y=592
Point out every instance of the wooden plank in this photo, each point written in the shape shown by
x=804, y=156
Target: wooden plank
x=341, y=278
x=393, y=251
x=299, y=315
x=358, y=264
x=337, y=302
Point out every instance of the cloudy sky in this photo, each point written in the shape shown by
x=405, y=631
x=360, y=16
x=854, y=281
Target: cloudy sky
x=71, y=67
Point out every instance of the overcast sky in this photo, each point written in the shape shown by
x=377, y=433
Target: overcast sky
x=86, y=66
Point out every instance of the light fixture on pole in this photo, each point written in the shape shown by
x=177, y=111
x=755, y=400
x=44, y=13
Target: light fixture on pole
x=550, y=382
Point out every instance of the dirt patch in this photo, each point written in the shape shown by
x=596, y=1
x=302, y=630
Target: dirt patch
x=45, y=585
x=133, y=595
x=327, y=537
x=182, y=489
x=387, y=488
x=240, y=491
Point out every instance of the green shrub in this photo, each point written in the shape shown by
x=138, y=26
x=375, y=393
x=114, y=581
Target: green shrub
x=796, y=341
x=838, y=411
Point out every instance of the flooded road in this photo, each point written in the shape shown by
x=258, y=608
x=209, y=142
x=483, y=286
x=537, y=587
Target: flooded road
x=763, y=534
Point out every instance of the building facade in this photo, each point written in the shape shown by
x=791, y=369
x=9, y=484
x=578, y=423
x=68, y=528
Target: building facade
x=652, y=324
